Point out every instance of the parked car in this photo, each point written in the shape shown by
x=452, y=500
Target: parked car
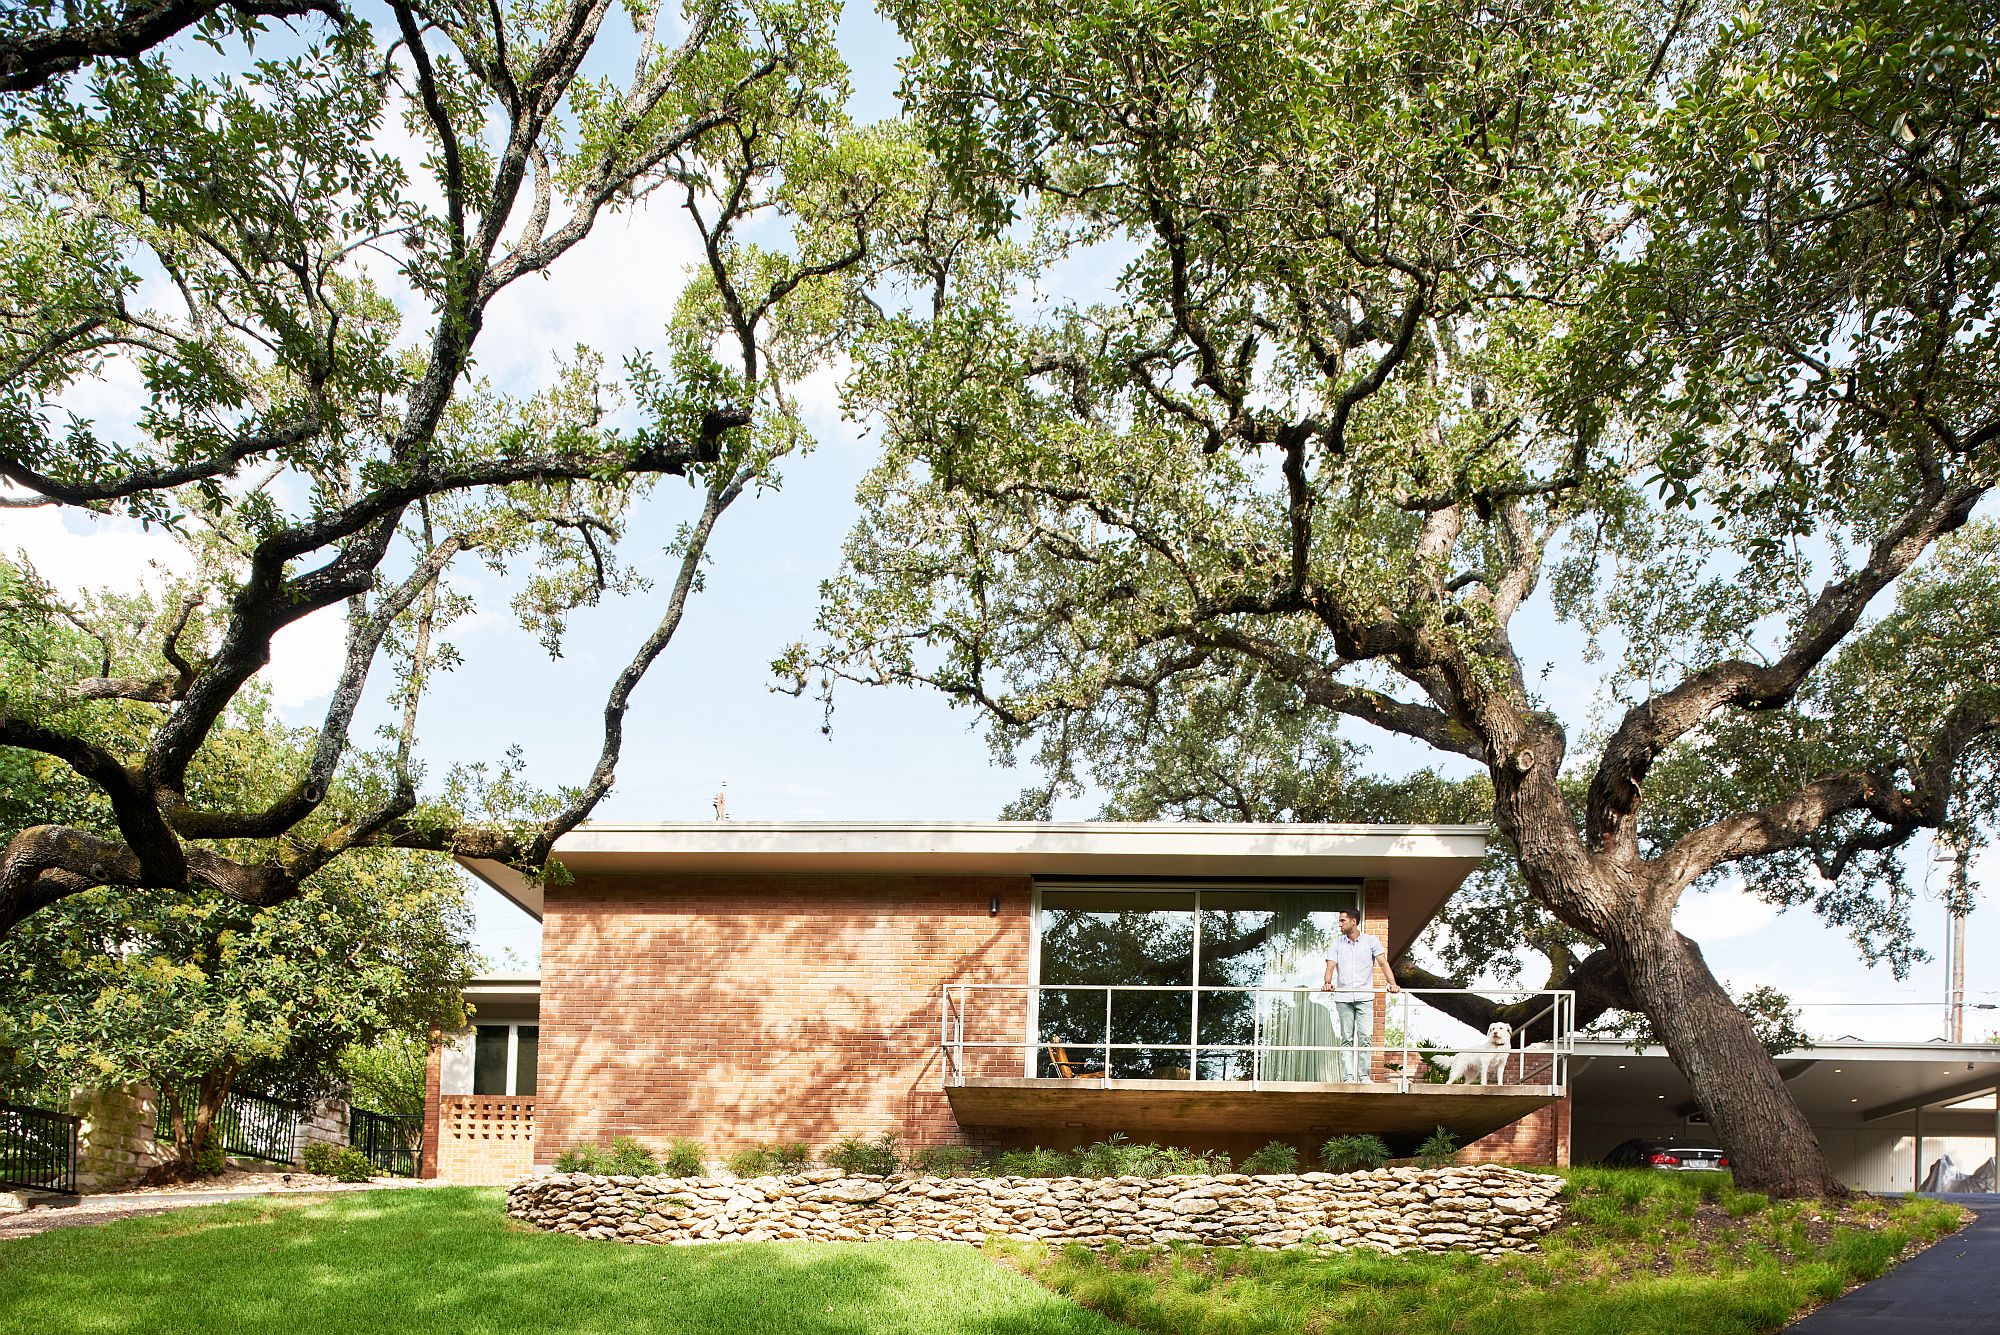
x=1661, y=1154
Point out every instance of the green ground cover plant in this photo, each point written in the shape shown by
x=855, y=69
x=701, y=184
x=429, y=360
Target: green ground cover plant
x=1644, y=1252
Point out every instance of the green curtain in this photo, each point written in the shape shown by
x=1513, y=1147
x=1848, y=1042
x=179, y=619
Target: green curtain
x=1300, y=1022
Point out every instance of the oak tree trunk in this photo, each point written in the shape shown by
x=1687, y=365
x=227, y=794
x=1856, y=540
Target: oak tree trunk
x=1771, y=1146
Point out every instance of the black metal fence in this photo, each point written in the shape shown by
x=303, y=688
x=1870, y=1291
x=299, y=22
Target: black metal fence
x=249, y=1126
x=392, y=1144
x=37, y=1149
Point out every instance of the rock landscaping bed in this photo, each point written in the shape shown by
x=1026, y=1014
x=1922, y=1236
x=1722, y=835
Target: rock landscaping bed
x=1486, y=1210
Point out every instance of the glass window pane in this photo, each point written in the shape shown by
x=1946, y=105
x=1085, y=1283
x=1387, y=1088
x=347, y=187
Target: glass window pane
x=1274, y=940
x=1092, y=938
x=489, y=1059
x=524, y=1058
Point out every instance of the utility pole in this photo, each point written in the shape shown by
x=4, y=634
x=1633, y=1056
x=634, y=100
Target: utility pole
x=1947, y=855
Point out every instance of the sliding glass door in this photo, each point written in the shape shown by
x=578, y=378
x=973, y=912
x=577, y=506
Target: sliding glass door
x=1153, y=970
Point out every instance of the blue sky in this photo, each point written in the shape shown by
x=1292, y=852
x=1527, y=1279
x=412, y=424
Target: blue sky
x=707, y=714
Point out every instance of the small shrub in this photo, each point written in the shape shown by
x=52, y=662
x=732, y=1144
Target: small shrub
x=948, y=1160
x=1276, y=1157
x=213, y=1160
x=1171, y=1161
x=1114, y=1156
x=579, y=1159
x=1439, y=1150
x=879, y=1157
x=339, y=1162
x=623, y=1157
x=684, y=1158
x=1353, y=1154
x=771, y=1160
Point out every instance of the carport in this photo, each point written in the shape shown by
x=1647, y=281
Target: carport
x=1884, y=1112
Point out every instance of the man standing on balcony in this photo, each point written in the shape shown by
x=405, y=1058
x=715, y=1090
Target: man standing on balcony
x=1350, y=975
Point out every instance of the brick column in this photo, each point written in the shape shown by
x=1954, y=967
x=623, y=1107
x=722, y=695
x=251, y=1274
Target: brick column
x=433, y=1085
x=1375, y=922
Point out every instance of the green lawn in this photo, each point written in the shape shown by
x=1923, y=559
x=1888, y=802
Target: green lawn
x=448, y=1261
x=1647, y=1254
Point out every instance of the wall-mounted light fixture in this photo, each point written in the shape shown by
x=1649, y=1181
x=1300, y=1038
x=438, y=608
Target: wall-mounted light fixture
x=993, y=905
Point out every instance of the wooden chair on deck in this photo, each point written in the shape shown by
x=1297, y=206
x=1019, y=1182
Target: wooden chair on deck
x=1069, y=1069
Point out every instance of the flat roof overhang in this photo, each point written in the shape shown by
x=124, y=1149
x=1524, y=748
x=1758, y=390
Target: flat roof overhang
x=521, y=988
x=1870, y=1080
x=1426, y=862
x=1219, y=1107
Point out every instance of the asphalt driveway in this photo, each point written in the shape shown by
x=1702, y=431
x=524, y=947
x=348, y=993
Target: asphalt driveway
x=1951, y=1289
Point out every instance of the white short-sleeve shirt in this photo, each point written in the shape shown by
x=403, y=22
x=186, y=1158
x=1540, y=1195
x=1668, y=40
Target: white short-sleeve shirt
x=1353, y=966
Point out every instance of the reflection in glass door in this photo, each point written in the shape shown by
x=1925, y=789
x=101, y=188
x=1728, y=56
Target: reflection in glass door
x=1173, y=957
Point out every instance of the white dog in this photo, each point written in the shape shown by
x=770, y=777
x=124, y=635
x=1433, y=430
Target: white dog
x=1490, y=1061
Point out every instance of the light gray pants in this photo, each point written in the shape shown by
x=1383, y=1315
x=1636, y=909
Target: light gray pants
x=1356, y=1020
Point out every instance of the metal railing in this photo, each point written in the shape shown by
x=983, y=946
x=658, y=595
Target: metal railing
x=37, y=1149
x=1237, y=1035
x=392, y=1144
x=249, y=1126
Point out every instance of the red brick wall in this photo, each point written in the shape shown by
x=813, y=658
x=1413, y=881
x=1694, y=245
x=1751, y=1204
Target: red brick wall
x=740, y=1010
x=1542, y=1137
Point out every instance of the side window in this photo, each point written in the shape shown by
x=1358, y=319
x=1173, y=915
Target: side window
x=489, y=1059
x=530, y=1038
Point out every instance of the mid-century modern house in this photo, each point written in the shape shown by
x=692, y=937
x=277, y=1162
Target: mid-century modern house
x=1012, y=983
x=993, y=984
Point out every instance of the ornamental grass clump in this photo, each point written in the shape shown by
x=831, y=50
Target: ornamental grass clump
x=1036, y=1162
x=879, y=1157
x=1276, y=1157
x=775, y=1160
x=1353, y=1154
x=1439, y=1150
x=626, y=1157
x=949, y=1161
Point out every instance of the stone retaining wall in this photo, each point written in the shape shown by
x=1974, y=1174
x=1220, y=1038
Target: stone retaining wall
x=1484, y=1209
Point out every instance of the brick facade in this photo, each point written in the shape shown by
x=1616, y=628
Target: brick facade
x=740, y=1010
x=1542, y=1137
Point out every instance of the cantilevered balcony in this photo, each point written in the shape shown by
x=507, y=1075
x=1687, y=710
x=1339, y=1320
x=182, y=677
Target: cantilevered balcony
x=1173, y=1062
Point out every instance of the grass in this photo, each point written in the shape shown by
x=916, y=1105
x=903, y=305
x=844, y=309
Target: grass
x=1646, y=1254
x=448, y=1260
x=1660, y=1253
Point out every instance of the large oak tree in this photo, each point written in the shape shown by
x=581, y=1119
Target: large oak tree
x=290, y=266
x=1445, y=335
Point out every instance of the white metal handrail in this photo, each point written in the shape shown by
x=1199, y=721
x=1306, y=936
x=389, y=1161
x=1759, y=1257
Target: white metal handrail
x=1555, y=1048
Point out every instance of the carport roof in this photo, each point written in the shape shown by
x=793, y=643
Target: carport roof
x=1869, y=1080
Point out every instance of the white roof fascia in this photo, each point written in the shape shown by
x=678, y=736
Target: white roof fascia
x=1429, y=860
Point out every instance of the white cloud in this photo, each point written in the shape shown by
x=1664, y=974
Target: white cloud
x=614, y=291
x=1722, y=915
x=306, y=659
x=81, y=553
